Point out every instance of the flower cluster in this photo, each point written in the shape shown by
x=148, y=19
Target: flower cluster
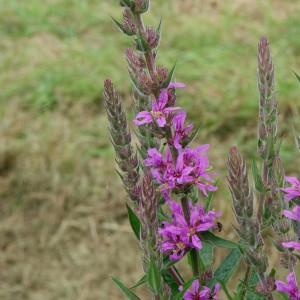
x=180, y=235
x=204, y=294
x=190, y=169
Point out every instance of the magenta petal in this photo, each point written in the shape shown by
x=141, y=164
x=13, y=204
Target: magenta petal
x=292, y=244
x=195, y=286
x=145, y=117
x=161, y=121
x=176, y=84
x=292, y=180
x=163, y=99
x=196, y=241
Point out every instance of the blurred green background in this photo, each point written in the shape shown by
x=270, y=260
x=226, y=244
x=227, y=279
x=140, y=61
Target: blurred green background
x=63, y=223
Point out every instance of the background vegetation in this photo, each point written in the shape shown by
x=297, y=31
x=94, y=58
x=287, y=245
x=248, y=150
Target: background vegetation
x=63, y=223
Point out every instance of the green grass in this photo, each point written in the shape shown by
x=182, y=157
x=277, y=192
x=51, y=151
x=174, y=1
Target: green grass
x=63, y=219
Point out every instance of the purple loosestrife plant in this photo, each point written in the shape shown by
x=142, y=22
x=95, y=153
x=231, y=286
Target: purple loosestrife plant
x=164, y=174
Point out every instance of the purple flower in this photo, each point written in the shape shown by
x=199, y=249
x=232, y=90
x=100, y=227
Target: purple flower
x=294, y=191
x=182, y=231
x=290, y=288
x=180, y=133
x=190, y=169
x=180, y=173
x=205, y=294
x=200, y=163
x=172, y=243
x=292, y=244
x=158, y=110
x=295, y=215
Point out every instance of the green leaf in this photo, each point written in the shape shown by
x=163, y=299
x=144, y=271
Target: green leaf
x=154, y=279
x=185, y=287
x=192, y=136
x=256, y=177
x=223, y=285
x=298, y=77
x=227, y=267
x=214, y=240
x=193, y=194
x=279, y=146
x=162, y=217
x=126, y=291
x=127, y=3
x=142, y=45
x=166, y=83
x=140, y=282
x=120, y=175
x=297, y=139
x=159, y=28
x=296, y=226
x=284, y=296
x=121, y=28
x=251, y=293
x=134, y=222
x=209, y=198
x=206, y=254
x=135, y=84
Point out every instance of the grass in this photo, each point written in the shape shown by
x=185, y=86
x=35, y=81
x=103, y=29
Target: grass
x=63, y=220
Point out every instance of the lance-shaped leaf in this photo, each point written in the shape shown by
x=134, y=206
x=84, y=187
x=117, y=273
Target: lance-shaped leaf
x=298, y=77
x=154, y=279
x=135, y=84
x=206, y=254
x=223, y=285
x=166, y=83
x=122, y=28
x=158, y=31
x=142, y=45
x=210, y=197
x=216, y=241
x=192, y=136
x=127, y=3
x=140, y=282
x=126, y=291
x=227, y=267
x=134, y=222
x=297, y=139
x=257, y=178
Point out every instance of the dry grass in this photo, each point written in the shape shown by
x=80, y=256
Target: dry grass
x=63, y=224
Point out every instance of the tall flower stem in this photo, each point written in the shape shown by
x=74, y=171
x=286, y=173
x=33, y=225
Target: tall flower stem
x=194, y=254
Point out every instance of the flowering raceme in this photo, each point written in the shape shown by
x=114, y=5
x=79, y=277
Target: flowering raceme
x=178, y=169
